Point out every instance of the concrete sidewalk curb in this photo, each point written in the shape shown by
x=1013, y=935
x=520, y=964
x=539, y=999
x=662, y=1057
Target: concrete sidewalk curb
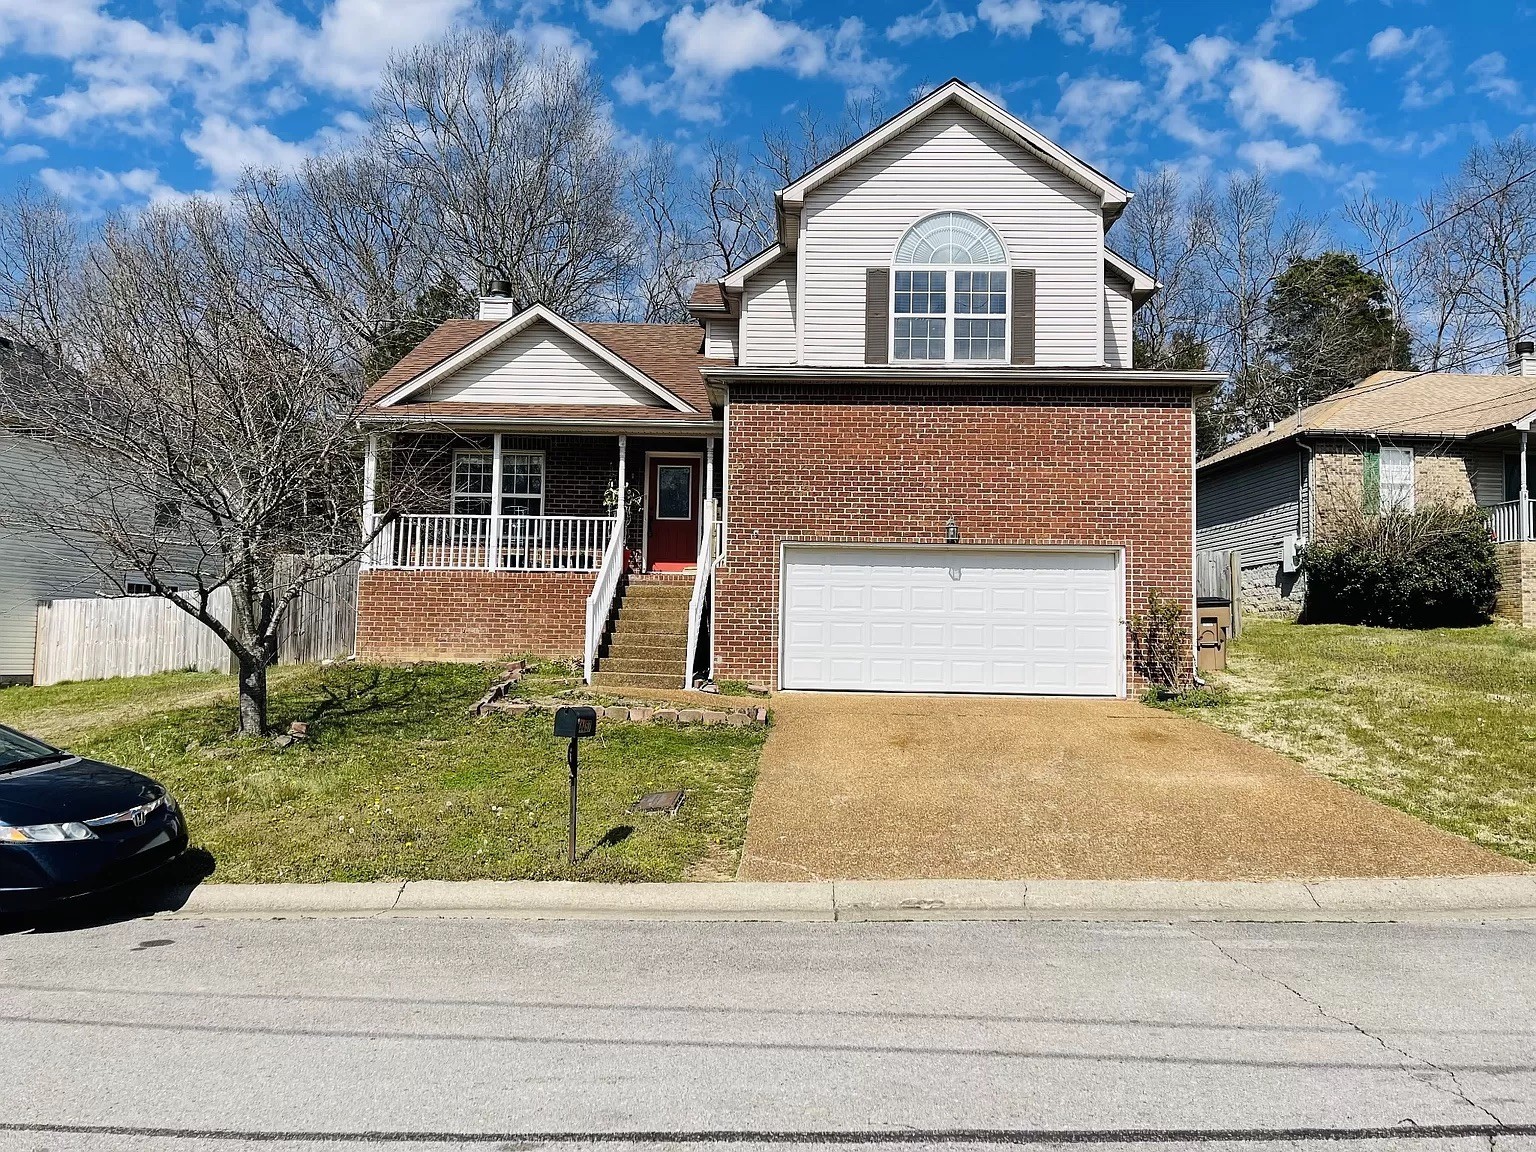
x=1502, y=896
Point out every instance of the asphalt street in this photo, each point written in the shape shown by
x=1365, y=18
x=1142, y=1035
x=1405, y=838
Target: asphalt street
x=406, y=1034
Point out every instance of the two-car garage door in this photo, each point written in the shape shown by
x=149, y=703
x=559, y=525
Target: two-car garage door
x=967, y=619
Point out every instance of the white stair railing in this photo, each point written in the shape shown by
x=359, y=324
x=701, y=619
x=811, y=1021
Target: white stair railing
x=1509, y=522
x=702, y=578
x=600, y=602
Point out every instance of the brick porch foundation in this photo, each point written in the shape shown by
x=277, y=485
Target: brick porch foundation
x=469, y=615
x=1517, y=582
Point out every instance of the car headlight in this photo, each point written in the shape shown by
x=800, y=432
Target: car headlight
x=44, y=833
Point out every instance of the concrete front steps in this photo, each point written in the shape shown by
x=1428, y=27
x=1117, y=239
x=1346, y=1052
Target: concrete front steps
x=648, y=645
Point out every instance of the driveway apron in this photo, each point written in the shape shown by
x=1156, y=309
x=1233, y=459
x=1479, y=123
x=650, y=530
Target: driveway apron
x=873, y=787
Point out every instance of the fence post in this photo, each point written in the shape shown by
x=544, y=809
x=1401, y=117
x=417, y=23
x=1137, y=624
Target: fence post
x=1235, y=590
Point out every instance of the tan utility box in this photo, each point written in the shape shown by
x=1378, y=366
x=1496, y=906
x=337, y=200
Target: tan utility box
x=1213, y=630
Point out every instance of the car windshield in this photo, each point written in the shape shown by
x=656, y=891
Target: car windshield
x=18, y=751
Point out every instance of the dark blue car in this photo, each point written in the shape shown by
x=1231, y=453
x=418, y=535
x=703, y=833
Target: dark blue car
x=70, y=826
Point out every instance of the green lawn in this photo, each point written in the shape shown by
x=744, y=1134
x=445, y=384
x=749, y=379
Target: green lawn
x=1440, y=724
x=398, y=781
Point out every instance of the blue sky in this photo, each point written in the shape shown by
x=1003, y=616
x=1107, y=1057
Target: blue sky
x=111, y=104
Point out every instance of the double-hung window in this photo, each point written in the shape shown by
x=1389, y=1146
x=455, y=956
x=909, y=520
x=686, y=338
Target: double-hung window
x=522, y=483
x=949, y=292
x=1396, y=479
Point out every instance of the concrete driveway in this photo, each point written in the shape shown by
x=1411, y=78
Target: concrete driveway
x=870, y=787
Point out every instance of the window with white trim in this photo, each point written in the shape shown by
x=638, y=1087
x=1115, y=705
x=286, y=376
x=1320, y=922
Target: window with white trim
x=522, y=483
x=1397, y=479
x=949, y=292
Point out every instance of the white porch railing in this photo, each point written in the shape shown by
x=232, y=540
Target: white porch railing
x=526, y=543
x=600, y=602
x=703, y=576
x=1506, y=523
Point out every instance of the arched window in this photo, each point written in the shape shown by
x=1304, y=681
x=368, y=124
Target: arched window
x=950, y=291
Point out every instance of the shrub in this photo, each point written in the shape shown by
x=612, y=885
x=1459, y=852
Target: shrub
x=1162, y=644
x=1430, y=568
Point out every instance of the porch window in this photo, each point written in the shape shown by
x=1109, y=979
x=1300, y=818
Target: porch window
x=522, y=483
x=1397, y=479
x=1512, y=475
x=949, y=298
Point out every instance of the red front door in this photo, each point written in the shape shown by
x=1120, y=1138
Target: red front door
x=672, y=513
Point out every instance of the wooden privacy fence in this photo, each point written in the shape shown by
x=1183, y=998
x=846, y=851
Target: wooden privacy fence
x=96, y=638
x=1219, y=576
x=92, y=639
x=322, y=623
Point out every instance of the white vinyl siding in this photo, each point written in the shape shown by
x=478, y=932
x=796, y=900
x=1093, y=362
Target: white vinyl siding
x=768, y=314
x=720, y=339
x=1117, y=323
x=1251, y=505
x=539, y=366
x=952, y=162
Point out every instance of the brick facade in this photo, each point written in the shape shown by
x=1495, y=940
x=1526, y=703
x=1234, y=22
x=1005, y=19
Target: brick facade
x=1443, y=473
x=1517, y=582
x=867, y=463
x=467, y=615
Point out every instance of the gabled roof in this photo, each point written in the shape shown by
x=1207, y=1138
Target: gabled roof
x=1449, y=405
x=1143, y=284
x=668, y=356
x=1111, y=195
x=504, y=330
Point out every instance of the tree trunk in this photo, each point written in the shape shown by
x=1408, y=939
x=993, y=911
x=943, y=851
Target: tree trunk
x=253, y=697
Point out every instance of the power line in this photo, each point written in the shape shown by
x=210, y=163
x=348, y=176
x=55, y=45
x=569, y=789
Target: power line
x=1462, y=211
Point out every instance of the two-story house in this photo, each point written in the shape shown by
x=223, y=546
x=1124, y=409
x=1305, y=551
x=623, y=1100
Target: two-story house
x=903, y=449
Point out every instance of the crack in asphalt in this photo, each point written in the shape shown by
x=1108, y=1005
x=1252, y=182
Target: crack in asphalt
x=1455, y=1089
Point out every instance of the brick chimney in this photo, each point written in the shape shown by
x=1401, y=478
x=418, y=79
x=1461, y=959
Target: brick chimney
x=1523, y=362
x=497, y=303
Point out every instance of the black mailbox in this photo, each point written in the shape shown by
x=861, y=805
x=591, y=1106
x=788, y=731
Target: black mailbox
x=575, y=723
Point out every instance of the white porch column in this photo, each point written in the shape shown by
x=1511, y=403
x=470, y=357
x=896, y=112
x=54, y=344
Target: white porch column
x=493, y=539
x=1525, y=492
x=370, y=494
x=622, y=514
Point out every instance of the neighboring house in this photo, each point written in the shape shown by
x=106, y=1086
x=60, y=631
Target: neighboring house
x=34, y=565
x=1395, y=440
x=902, y=449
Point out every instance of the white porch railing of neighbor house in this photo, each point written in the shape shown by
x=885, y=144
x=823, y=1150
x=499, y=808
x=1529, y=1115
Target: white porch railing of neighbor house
x=600, y=602
x=524, y=543
x=1506, y=522
x=703, y=576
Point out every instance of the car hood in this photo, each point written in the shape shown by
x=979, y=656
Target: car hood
x=71, y=789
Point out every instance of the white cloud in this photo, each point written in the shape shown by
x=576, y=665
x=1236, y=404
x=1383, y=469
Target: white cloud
x=1268, y=91
x=94, y=188
x=1279, y=23
x=227, y=149
x=352, y=40
x=1013, y=17
x=1428, y=56
x=124, y=105
x=21, y=153
x=625, y=15
x=1277, y=157
x=1091, y=22
x=1092, y=108
x=934, y=20
x=1490, y=76
x=705, y=47
x=1196, y=67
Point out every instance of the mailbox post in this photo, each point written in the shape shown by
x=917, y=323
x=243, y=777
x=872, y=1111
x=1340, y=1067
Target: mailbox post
x=575, y=723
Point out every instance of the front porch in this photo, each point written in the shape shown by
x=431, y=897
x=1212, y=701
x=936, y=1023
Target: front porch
x=495, y=544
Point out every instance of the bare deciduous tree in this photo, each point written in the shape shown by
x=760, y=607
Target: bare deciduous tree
x=198, y=429
x=40, y=246
x=515, y=164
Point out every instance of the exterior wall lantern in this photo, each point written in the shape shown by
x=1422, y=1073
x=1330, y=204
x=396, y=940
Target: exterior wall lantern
x=951, y=532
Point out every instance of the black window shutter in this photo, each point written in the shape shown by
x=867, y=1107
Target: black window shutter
x=877, y=315
x=1023, y=316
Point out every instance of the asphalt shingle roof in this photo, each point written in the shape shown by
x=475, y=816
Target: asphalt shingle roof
x=1433, y=404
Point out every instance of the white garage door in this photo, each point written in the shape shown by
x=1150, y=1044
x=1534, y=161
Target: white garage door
x=952, y=620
